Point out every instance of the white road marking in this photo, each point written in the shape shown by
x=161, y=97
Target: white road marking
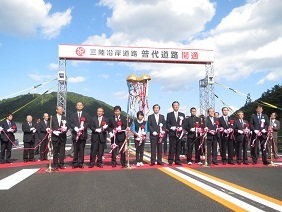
x=14, y=179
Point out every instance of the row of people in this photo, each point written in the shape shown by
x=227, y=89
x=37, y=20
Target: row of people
x=175, y=125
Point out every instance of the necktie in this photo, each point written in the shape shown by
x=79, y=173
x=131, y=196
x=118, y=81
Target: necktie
x=242, y=123
x=9, y=124
x=79, y=116
x=226, y=119
x=176, y=115
x=157, y=118
x=259, y=117
x=30, y=124
x=100, y=120
x=45, y=123
x=212, y=121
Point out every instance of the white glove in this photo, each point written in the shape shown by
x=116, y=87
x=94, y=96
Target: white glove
x=263, y=131
x=230, y=130
x=56, y=132
x=34, y=131
x=48, y=130
x=64, y=129
x=256, y=131
x=81, y=128
x=192, y=129
x=1, y=129
x=118, y=128
x=10, y=130
x=105, y=126
x=155, y=133
x=111, y=134
x=240, y=131
x=98, y=130
x=173, y=128
x=180, y=128
x=225, y=131
x=143, y=133
x=31, y=129
x=76, y=129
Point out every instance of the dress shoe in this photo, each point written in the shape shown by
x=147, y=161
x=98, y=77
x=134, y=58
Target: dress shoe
x=161, y=163
x=152, y=164
x=254, y=162
x=215, y=163
x=61, y=167
x=266, y=163
x=179, y=164
x=246, y=163
x=81, y=166
x=56, y=169
x=74, y=166
x=32, y=160
x=25, y=161
x=91, y=166
x=100, y=165
x=224, y=163
x=231, y=163
x=114, y=165
x=239, y=163
x=170, y=164
x=123, y=166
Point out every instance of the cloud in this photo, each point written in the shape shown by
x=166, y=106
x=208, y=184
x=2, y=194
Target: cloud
x=247, y=41
x=40, y=77
x=76, y=79
x=25, y=18
x=104, y=76
x=53, y=66
x=121, y=95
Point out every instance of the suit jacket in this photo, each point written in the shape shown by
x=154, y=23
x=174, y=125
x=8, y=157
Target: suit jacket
x=154, y=126
x=42, y=129
x=275, y=127
x=5, y=127
x=211, y=126
x=171, y=121
x=28, y=135
x=56, y=126
x=238, y=126
x=120, y=136
x=74, y=122
x=255, y=125
x=225, y=126
x=95, y=125
x=190, y=123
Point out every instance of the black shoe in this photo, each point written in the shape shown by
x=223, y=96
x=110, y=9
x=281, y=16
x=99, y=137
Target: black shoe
x=91, y=166
x=161, y=163
x=114, y=165
x=231, y=163
x=170, y=164
x=246, y=163
x=8, y=161
x=224, y=163
x=81, y=166
x=152, y=164
x=56, y=169
x=239, y=163
x=123, y=166
x=61, y=167
x=32, y=160
x=266, y=163
x=254, y=162
x=215, y=163
x=74, y=166
x=100, y=165
x=25, y=161
x=179, y=164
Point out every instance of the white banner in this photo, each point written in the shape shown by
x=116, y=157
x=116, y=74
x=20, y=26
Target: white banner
x=135, y=54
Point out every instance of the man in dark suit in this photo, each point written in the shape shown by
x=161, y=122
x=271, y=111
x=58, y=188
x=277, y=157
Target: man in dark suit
x=117, y=126
x=192, y=125
x=157, y=127
x=211, y=138
x=37, y=139
x=99, y=127
x=79, y=122
x=242, y=132
x=29, y=131
x=227, y=136
x=175, y=125
x=7, y=128
x=59, y=138
x=44, y=128
x=259, y=126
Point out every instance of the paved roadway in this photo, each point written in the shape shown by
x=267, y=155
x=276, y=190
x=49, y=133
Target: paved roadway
x=166, y=188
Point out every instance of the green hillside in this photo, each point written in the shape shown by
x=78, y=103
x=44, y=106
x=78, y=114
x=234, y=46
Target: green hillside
x=47, y=103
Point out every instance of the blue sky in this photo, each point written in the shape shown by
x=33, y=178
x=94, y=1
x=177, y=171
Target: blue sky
x=244, y=34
